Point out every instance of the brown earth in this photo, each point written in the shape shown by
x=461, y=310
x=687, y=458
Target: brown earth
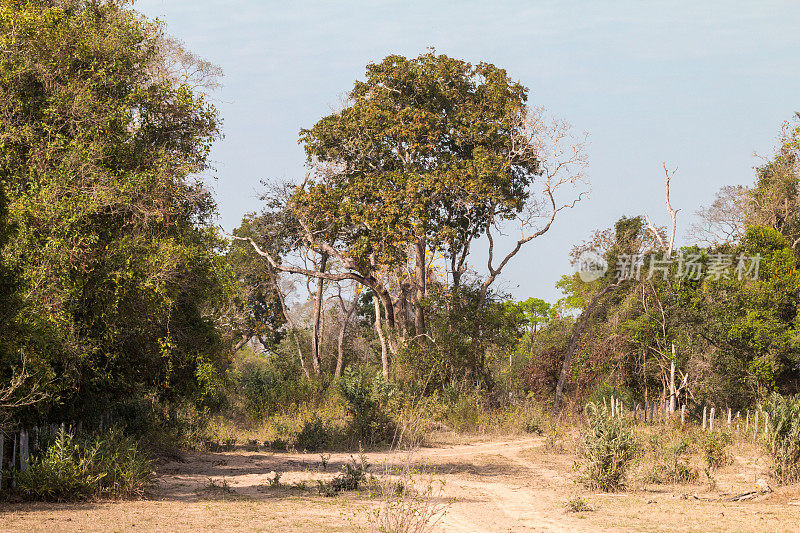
x=498, y=486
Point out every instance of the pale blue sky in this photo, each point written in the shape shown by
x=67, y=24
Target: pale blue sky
x=700, y=85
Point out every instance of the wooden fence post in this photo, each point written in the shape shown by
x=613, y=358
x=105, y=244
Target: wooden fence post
x=711, y=420
x=747, y=423
x=755, y=425
x=13, y=460
x=683, y=413
x=23, y=451
x=704, y=417
x=729, y=417
x=2, y=457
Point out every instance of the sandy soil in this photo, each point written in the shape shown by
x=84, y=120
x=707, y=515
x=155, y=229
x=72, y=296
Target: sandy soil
x=499, y=486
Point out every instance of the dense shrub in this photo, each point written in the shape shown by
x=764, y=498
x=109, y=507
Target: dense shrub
x=368, y=396
x=673, y=464
x=608, y=449
x=107, y=464
x=783, y=436
x=313, y=436
x=714, y=447
x=267, y=389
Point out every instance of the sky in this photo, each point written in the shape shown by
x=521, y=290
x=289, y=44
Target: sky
x=701, y=86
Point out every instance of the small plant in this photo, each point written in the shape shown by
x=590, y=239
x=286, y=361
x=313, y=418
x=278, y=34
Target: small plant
x=408, y=504
x=352, y=476
x=714, y=448
x=783, y=437
x=608, y=449
x=323, y=460
x=578, y=505
x=219, y=489
x=275, y=480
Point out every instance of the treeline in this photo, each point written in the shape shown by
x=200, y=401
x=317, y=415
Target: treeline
x=120, y=294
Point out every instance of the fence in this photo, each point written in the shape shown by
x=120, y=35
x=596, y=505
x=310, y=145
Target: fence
x=755, y=420
x=17, y=446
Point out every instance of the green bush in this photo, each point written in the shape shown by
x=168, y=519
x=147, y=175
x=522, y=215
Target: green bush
x=609, y=447
x=368, y=396
x=674, y=465
x=70, y=468
x=714, y=447
x=783, y=436
x=265, y=390
x=313, y=436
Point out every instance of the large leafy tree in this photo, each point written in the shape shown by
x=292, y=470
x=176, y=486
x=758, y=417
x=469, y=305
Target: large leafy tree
x=101, y=135
x=427, y=155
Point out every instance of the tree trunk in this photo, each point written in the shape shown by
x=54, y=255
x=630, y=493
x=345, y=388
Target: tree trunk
x=315, y=327
x=342, y=330
x=239, y=345
x=379, y=331
x=419, y=295
x=574, y=338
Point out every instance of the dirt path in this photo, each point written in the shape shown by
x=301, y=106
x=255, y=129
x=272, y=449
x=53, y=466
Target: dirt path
x=499, y=486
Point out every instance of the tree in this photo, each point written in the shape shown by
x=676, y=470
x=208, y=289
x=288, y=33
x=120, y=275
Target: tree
x=103, y=137
x=776, y=195
x=724, y=221
x=428, y=155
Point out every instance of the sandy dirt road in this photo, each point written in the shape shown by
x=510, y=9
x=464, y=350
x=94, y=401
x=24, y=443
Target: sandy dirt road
x=496, y=486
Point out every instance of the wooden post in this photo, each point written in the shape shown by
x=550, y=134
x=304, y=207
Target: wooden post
x=13, y=460
x=766, y=424
x=613, y=405
x=2, y=457
x=711, y=420
x=747, y=424
x=755, y=425
x=729, y=417
x=683, y=413
x=704, y=417
x=23, y=451
x=672, y=381
x=738, y=421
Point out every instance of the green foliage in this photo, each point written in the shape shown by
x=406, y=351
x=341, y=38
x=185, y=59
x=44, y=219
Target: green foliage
x=102, y=143
x=352, y=476
x=104, y=465
x=609, y=447
x=266, y=387
x=783, y=436
x=424, y=143
x=313, y=436
x=714, y=448
x=368, y=397
x=673, y=462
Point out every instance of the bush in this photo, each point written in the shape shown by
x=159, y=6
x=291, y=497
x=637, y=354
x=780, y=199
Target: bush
x=313, y=436
x=107, y=464
x=368, y=396
x=783, y=436
x=352, y=476
x=674, y=467
x=714, y=448
x=608, y=449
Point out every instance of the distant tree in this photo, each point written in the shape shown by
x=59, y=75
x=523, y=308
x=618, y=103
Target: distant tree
x=724, y=221
x=776, y=194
